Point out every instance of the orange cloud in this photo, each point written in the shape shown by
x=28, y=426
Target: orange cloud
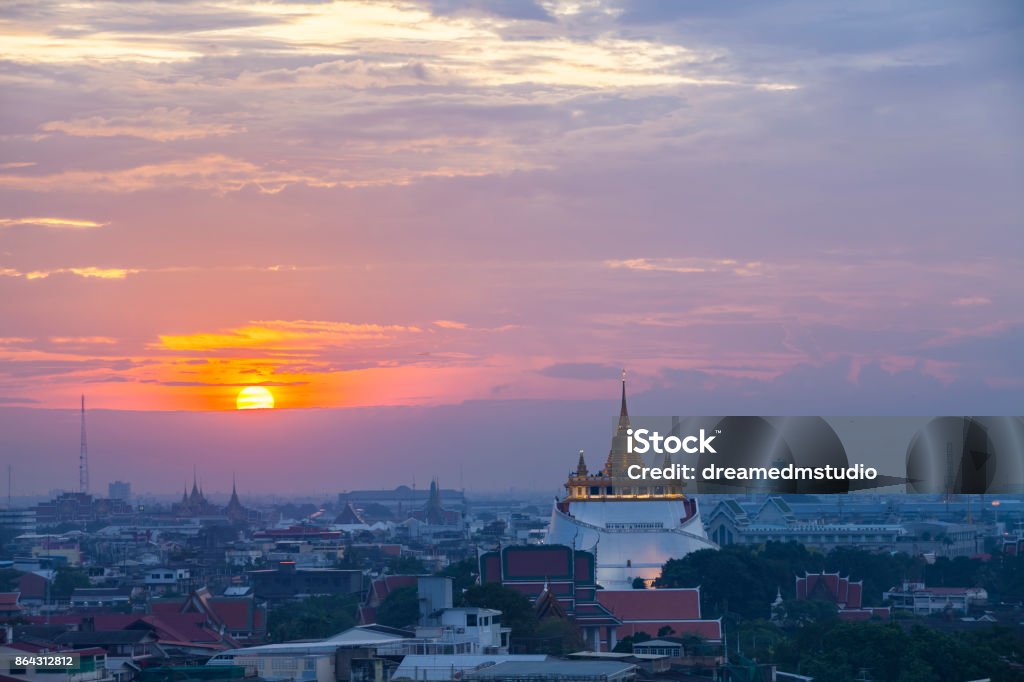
x=284, y=335
x=64, y=223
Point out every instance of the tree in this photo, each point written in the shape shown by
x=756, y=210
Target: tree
x=463, y=575
x=731, y=579
x=67, y=580
x=639, y=584
x=625, y=645
x=9, y=579
x=312, y=618
x=408, y=565
x=400, y=609
x=516, y=610
x=799, y=612
x=564, y=632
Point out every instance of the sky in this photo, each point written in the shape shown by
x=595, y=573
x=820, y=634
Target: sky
x=474, y=214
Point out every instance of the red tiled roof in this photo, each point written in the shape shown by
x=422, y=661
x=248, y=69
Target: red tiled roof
x=490, y=569
x=32, y=586
x=382, y=587
x=236, y=614
x=160, y=606
x=854, y=599
x=651, y=605
x=708, y=629
x=554, y=560
x=854, y=615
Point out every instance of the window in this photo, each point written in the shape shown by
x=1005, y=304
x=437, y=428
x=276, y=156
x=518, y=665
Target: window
x=470, y=620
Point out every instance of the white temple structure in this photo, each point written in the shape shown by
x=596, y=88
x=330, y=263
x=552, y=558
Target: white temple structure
x=632, y=527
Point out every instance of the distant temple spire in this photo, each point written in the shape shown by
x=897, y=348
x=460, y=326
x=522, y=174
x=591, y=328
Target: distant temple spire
x=235, y=511
x=581, y=468
x=619, y=459
x=623, y=412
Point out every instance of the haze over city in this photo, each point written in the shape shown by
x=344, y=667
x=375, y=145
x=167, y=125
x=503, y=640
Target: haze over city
x=435, y=232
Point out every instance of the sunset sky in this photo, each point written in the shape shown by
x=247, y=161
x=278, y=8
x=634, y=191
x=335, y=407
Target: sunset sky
x=483, y=210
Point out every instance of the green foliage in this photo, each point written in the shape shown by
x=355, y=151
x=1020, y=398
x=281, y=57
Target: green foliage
x=799, y=612
x=312, y=618
x=9, y=579
x=563, y=632
x=400, y=609
x=639, y=584
x=879, y=571
x=625, y=645
x=463, y=575
x=743, y=580
x=889, y=654
x=407, y=565
x=67, y=580
x=731, y=579
x=516, y=610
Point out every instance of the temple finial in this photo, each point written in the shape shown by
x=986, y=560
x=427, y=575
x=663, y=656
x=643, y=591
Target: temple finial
x=581, y=468
x=623, y=412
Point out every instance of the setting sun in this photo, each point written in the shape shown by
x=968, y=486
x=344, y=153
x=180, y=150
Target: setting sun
x=254, y=398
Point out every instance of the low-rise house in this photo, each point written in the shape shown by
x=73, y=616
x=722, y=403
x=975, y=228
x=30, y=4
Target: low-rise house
x=163, y=579
x=90, y=597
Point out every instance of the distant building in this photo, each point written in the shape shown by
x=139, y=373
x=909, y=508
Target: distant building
x=119, y=490
x=194, y=503
x=1014, y=546
x=433, y=513
x=920, y=600
x=85, y=597
x=79, y=507
x=774, y=520
x=287, y=581
x=235, y=511
x=163, y=579
x=844, y=593
x=18, y=521
x=400, y=501
x=243, y=618
x=941, y=538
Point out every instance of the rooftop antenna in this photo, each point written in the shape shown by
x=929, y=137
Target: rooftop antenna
x=10, y=486
x=83, y=458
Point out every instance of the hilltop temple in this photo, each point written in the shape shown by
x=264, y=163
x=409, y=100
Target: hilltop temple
x=632, y=527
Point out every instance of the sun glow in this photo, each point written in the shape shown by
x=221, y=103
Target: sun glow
x=254, y=398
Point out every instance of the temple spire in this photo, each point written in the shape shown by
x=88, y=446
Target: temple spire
x=619, y=458
x=581, y=468
x=623, y=412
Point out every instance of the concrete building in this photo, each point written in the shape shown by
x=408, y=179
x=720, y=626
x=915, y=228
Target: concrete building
x=916, y=598
x=18, y=521
x=119, y=490
x=774, y=520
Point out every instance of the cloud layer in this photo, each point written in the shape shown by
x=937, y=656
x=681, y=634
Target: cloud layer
x=427, y=203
